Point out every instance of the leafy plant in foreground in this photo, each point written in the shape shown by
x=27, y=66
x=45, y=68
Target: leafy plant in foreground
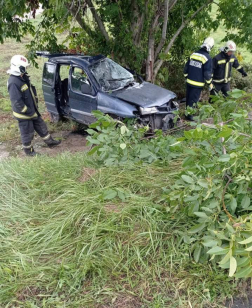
x=117, y=144
x=215, y=185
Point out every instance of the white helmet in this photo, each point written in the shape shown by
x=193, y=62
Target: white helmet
x=208, y=43
x=18, y=65
x=230, y=46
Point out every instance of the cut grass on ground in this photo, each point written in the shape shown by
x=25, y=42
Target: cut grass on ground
x=65, y=241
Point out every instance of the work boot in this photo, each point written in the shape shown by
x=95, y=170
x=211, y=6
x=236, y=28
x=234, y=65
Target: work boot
x=30, y=151
x=51, y=142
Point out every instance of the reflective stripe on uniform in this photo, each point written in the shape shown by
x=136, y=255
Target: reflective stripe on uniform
x=232, y=60
x=27, y=146
x=195, y=83
x=209, y=81
x=219, y=81
x=24, y=109
x=46, y=137
x=226, y=72
x=222, y=62
x=185, y=75
x=199, y=57
x=24, y=117
x=239, y=67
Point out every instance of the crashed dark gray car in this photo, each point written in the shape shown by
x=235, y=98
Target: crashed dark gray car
x=75, y=85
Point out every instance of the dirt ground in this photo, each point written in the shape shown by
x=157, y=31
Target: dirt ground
x=70, y=142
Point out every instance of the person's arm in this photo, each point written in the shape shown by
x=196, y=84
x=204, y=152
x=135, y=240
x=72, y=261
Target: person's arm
x=239, y=68
x=208, y=69
x=16, y=98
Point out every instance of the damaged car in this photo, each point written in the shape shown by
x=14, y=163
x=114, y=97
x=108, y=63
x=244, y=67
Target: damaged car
x=75, y=85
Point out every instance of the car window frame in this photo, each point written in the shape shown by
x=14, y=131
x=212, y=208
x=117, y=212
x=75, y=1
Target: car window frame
x=54, y=78
x=70, y=79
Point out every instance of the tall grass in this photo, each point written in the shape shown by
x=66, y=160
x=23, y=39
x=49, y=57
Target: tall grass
x=63, y=243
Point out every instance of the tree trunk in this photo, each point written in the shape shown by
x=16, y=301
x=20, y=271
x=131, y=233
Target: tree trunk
x=158, y=64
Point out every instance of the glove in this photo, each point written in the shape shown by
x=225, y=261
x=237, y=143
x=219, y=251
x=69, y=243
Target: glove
x=244, y=74
x=211, y=87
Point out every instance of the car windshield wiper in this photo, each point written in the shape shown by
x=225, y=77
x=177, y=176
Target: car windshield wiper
x=119, y=79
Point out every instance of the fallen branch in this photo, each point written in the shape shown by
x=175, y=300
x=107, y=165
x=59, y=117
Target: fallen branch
x=223, y=202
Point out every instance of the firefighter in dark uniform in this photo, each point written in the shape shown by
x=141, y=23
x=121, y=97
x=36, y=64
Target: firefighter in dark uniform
x=24, y=103
x=198, y=71
x=222, y=69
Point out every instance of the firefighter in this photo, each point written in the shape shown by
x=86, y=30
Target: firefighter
x=24, y=103
x=198, y=71
x=222, y=68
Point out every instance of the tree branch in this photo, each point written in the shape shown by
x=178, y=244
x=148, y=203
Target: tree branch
x=223, y=202
x=164, y=31
x=160, y=62
x=98, y=20
x=76, y=14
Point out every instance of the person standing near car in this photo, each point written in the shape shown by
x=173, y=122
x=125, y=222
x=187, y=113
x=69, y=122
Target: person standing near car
x=222, y=69
x=24, y=104
x=198, y=71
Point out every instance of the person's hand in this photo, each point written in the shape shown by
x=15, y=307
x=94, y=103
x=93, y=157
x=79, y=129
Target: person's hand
x=244, y=74
x=211, y=87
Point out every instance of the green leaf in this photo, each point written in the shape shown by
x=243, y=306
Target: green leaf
x=122, y=146
x=233, y=204
x=94, y=149
x=197, y=228
x=243, y=262
x=226, y=132
x=196, y=253
x=244, y=272
x=124, y=129
x=121, y=195
x=217, y=251
x=249, y=248
x=210, y=243
x=226, y=258
x=201, y=215
x=245, y=202
x=203, y=183
x=224, y=158
x=187, y=179
x=247, y=241
x=109, y=194
x=233, y=266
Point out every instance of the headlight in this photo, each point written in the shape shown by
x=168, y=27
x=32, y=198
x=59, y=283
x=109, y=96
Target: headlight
x=144, y=111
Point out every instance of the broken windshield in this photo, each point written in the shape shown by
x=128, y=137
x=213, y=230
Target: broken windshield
x=110, y=75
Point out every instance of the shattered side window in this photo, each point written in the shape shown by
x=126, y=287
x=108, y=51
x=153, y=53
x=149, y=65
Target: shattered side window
x=110, y=75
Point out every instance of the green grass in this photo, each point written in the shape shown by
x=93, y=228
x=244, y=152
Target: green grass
x=62, y=244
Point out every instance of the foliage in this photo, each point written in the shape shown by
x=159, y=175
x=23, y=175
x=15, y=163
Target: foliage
x=142, y=35
x=118, y=144
x=216, y=190
x=243, y=83
x=214, y=187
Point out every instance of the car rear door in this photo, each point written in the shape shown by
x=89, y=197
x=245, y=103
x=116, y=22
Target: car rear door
x=82, y=104
x=48, y=87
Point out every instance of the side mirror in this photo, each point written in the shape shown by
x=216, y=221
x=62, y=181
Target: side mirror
x=86, y=89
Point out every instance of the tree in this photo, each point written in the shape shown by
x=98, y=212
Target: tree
x=140, y=34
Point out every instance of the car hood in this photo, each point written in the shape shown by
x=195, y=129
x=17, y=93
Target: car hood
x=145, y=95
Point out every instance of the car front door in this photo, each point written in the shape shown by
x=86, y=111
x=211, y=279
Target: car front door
x=48, y=85
x=82, y=96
